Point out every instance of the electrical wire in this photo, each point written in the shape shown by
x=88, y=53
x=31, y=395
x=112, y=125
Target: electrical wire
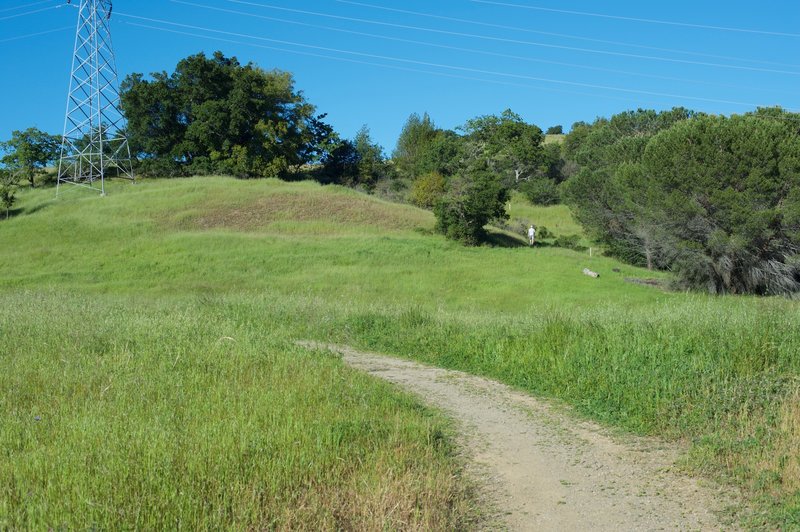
x=380, y=65
x=473, y=50
x=449, y=67
x=517, y=41
x=634, y=19
x=36, y=34
x=29, y=13
x=23, y=6
x=563, y=35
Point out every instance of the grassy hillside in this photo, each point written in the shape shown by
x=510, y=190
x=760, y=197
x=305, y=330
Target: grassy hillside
x=556, y=218
x=140, y=291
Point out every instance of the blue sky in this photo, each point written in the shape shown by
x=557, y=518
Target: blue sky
x=374, y=62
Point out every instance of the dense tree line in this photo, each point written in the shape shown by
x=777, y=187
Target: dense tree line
x=712, y=198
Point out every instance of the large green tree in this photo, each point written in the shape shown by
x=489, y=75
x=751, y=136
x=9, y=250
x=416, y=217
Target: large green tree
x=215, y=115
x=715, y=199
x=422, y=149
x=29, y=152
x=473, y=198
x=413, y=144
x=598, y=193
x=371, y=161
x=510, y=147
x=725, y=195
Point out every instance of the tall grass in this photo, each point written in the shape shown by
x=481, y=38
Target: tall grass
x=722, y=374
x=117, y=414
x=168, y=270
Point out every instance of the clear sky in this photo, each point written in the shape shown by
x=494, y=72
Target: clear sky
x=374, y=62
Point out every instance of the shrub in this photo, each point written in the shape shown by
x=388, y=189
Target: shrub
x=541, y=191
x=427, y=190
x=8, y=189
x=569, y=242
x=471, y=201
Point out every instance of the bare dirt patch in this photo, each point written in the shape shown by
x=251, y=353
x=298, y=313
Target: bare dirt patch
x=547, y=470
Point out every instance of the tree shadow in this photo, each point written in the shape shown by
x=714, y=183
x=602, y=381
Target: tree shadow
x=12, y=213
x=503, y=240
x=36, y=208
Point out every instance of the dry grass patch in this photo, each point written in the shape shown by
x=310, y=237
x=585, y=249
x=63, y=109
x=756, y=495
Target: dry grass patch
x=788, y=456
x=335, y=208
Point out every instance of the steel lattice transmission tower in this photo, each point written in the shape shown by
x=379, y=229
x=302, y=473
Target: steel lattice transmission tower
x=94, y=146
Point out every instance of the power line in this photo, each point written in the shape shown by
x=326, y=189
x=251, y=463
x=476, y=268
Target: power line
x=35, y=34
x=381, y=65
x=28, y=13
x=23, y=6
x=470, y=50
x=517, y=41
x=450, y=67
x=564, y=35
x=635, y=19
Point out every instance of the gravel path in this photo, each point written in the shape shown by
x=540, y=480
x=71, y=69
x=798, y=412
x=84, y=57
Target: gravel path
x=544, y=469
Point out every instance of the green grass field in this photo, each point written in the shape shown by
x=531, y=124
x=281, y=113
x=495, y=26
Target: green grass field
x=148, y=374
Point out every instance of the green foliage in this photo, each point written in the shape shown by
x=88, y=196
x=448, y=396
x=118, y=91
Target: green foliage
x=414, y=141
x=8, y=189
x=542, y=232
x=214, y=115
x=29, y=152
x=428, y=189
x=723, y=189
x=541, y=191
x=711, y=198
x=606, y=153
x=510, y=147
x=552, y=162
x=422, y=149
x=356, y=163
x=371, y=162
x=472, y=199
x=555, y=130
x=568, y=242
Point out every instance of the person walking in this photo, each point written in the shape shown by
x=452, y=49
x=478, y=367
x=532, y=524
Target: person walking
x=531, y=235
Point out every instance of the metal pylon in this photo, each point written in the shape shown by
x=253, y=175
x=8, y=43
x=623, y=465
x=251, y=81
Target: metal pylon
x=94, y=146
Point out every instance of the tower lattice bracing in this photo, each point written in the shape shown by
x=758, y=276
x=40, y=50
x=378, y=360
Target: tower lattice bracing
x=94, y=146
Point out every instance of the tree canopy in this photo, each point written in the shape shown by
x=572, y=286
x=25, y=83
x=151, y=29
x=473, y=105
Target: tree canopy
x=215, y=115
x=29, y=152
x=597, y=193
x=715, y=199
x=510, y=147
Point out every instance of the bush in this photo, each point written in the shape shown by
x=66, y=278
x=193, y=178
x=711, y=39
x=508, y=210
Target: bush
x=569, y=242
x=427, y=190
x=471, y=201
x=541, y=191
x=543, y=232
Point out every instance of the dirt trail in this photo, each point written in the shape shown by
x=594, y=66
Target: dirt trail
x=544, y=469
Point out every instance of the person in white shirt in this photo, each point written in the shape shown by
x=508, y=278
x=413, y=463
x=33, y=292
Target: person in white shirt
x=531, y=235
